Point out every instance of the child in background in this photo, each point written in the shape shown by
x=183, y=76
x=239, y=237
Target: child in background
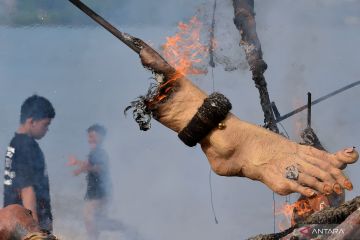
x=98, y=182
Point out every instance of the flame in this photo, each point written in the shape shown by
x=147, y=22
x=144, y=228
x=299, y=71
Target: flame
x=184, y=50
x=286, y=210
x=292, y=212
x=301, y=209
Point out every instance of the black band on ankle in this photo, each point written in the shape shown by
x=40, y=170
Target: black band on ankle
x=213, y=110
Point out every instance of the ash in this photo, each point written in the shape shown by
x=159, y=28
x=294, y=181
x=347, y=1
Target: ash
x=142, y=114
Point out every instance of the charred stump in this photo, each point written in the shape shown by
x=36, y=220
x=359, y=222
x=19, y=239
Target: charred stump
x=244, y=21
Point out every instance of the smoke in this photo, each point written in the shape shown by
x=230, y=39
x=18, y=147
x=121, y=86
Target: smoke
x=227, y=52
x=125, y=13
x=161, y=188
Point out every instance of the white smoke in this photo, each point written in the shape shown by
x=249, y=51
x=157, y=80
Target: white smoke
x=160, y=186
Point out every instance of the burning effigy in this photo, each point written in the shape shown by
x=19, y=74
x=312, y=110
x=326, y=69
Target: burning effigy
x=212, y=125
x=181, y=63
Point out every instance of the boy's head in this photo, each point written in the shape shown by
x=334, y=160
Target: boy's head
x=96, y=135
x=36, y=114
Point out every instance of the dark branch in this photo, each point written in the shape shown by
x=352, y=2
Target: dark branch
x=245, y=23
x=328, y=216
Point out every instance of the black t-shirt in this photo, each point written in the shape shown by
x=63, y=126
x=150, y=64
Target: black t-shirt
x=24, y=167
x=98, y=182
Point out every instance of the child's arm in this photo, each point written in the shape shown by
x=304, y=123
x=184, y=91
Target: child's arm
x=83, y=165
x=28, y=197
x=73, y=161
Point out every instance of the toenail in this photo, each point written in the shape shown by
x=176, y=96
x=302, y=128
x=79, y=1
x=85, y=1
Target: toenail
x=327, y=189
x=348, y=185
x=349, y=150
x=337, y=188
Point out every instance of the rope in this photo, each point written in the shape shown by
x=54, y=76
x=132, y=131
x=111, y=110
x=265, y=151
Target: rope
x=274, y=214
x=211, y=198
x=212, y=65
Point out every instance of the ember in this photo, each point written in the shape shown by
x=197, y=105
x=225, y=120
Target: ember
x=301, y=209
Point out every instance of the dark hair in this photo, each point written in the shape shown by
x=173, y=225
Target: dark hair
x=36, y=107
x=99, y=129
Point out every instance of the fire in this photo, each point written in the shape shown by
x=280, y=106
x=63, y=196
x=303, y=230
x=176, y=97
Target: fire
x=292, y=212
x=301, y=209
x=184, y=50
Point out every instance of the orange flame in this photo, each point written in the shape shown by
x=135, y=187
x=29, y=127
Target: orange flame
x=300, y=208
x=286, y=211
x=184, y=50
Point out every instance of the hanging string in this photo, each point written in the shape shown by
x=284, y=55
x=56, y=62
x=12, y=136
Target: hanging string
x=211, y=198
x=274, y=216
x=212, y=38
x=287, y=198
x=212, y=65
x=211, y=190
x=212, y=77
x=286, y=133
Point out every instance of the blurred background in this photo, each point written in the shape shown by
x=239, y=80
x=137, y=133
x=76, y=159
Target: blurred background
x=161, y=187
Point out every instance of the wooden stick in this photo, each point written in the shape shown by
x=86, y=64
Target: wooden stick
x=132, y=42
x=316, y=101
x=136, y=44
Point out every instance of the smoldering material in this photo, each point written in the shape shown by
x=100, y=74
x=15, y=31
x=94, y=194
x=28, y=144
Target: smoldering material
x=141, y=112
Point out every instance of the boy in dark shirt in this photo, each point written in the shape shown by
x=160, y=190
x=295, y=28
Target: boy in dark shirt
x=25, y=177
x=98, y=183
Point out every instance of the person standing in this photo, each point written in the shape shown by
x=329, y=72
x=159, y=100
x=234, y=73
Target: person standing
x=26, y=180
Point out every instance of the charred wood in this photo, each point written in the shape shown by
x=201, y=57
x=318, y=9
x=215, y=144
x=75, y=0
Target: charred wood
x=244, y=21
x=350, y=227
x=328, y=216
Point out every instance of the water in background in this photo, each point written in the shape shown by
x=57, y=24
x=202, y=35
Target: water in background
x=160, y=186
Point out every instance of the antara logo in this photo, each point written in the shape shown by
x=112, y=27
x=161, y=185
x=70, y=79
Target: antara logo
x=322, y=231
